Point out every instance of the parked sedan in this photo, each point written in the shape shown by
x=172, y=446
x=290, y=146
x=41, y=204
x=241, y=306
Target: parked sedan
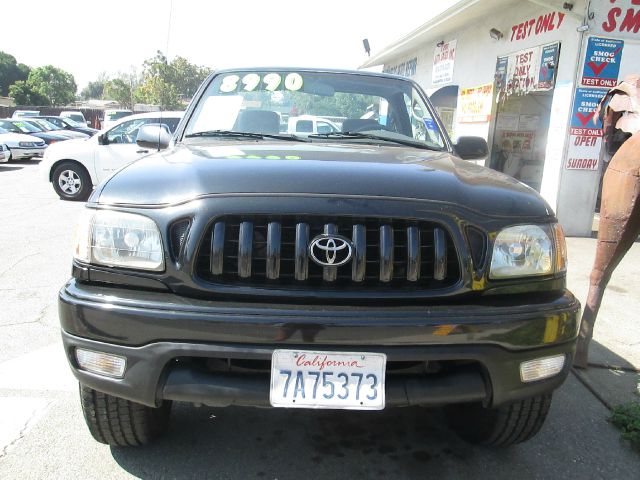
x=21, y=126
x=69, y=124
x=47, y=126
x=76, y=166
x=20, y=146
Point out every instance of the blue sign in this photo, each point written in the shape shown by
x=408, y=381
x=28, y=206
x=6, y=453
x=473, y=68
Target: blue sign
x=584, y=106
x=548, y=66
x=602, y=62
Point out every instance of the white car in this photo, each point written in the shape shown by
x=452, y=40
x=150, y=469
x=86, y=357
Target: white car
x=112, y=116
x=20, y=146
x=308, y=124
x=4, y=154
x=74, y=167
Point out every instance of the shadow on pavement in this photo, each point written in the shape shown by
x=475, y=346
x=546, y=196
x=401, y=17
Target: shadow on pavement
x=6, y=168
x=610, y=378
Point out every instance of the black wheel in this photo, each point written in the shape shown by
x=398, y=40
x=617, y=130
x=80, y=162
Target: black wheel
x=71, y=181
x=119, y=422
x=503, y=426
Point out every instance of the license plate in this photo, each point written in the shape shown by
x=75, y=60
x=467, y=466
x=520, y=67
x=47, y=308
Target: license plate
x=337, y=380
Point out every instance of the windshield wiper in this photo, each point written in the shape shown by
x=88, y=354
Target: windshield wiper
x=372, y=136
x=233, y=133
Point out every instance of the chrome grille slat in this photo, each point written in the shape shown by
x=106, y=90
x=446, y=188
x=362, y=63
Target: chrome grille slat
x=329, y=274
x=273, y=250
x=245, y=249
x=440, y=254
x=301, y=253
x=413, y=254
x=359, y=261
x=217, y=248
x=387, y=254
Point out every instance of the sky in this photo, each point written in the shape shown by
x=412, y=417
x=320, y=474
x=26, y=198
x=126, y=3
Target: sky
x=85, y=37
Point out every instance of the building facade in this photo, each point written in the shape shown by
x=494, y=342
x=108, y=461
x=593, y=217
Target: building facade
x=527, y=75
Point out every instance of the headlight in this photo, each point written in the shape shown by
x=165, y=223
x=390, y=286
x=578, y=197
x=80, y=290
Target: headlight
x=27, y=144
x=525, y=250
x=115, y=239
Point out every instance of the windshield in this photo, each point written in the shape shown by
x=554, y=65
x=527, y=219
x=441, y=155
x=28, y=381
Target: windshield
x=26, y=127
x=318, y=106
x=48, y=126
x=73, y=123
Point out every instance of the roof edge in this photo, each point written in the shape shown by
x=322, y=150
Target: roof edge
x=380, y=57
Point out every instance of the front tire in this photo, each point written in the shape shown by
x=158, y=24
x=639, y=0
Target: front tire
x=499, y=427
x=122, y=423
x=71, y=181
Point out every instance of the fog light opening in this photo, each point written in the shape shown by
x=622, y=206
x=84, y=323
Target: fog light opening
x=101, y=363
x=541, y=368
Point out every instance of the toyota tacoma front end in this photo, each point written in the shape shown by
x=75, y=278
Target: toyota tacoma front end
x=363, y=269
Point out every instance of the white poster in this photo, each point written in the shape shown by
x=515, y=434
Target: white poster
x=444, y=57
x=584, y=152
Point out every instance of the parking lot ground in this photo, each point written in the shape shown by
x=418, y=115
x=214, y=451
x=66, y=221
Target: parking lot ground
x=42, y=433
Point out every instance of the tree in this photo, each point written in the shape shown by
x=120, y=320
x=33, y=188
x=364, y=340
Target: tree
x=53, y=83
x=187, y=77
x=23, y=94
x=166, y=83
x=10, y=72
x=119, y=90
x=95, y=89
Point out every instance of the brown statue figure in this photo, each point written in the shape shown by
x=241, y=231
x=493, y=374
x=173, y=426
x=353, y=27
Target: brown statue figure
x=620, y=207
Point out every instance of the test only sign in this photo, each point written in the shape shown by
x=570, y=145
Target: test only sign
x=602, y=62
x=585, y=140
x=444, y=57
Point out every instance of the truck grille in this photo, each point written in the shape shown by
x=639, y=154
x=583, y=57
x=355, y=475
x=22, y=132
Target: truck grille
x=387, y=254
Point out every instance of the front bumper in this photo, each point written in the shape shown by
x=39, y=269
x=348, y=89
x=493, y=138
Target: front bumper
x=18, y=153
x=154, y=330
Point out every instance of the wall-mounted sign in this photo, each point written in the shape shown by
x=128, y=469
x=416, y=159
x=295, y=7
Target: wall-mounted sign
x=618, y=17
x=585, y=140
x=537, y=26
x=444, y=57
x=584, y=107
x=406, y=69
x=602, y=62
x=528, y=70
x=548, y=66
x=474, y=105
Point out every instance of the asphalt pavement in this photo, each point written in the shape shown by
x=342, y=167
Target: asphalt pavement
x=42, y=433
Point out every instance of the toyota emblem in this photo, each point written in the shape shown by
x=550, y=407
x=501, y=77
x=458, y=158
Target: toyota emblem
x=330, y=250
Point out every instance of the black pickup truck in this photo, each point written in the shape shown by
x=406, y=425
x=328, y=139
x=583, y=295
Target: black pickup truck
x=363, y=264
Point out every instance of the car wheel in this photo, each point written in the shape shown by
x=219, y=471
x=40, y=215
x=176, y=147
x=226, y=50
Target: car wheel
x=122, y=423
x=503, y=426
x=71, y=181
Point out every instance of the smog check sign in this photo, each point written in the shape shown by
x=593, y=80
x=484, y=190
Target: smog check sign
x=585, y=140
x=602, y=62
x=584, y=107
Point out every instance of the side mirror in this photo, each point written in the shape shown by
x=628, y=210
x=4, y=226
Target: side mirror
x=103, y=139
x=153, y=136
x=88, y=123
x=471, y=148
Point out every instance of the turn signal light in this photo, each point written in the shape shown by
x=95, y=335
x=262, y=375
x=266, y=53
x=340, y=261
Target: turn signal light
x=101, y=363
x=541, y=368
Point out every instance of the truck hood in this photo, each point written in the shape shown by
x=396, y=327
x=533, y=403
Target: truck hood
x=187, y=172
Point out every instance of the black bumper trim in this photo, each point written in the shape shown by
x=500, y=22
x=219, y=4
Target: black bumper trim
x=149, y=376
x=224, y=389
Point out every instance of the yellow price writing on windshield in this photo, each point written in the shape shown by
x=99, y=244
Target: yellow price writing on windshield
x=270, y=82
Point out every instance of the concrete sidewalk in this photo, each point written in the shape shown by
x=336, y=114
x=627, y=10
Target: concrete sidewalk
x=614, y=358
